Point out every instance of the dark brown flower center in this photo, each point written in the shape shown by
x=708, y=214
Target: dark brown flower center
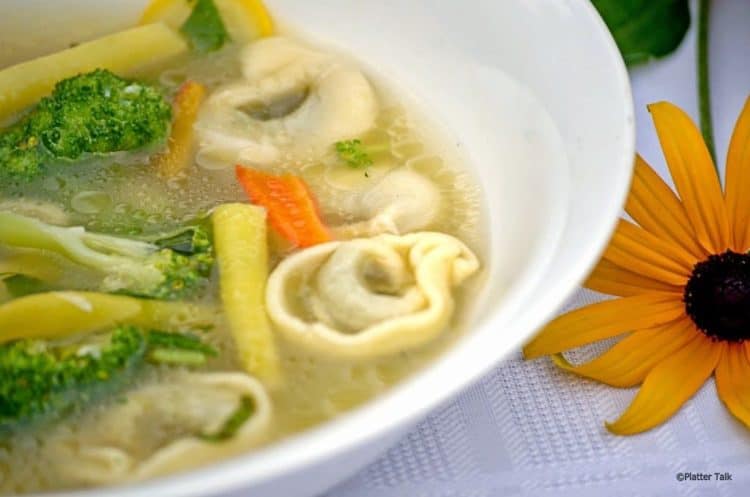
x=717, y=296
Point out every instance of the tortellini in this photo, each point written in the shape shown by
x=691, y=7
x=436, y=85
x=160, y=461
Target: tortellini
x=402, y=202
x=291, y=98
x=173, y=416
x=369, y=296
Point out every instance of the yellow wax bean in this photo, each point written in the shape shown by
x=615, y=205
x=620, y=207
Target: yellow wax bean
x=174, y=316
x=33, y=264
x=242, y=254
x=25, y=84
x=61, y=314
x=246, y=20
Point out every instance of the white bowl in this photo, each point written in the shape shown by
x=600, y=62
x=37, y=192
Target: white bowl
x=536, y=95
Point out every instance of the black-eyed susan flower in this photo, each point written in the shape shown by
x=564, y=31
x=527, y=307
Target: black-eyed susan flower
x=681, y=271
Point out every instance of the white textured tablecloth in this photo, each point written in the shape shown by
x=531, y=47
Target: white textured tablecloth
x=528, y=429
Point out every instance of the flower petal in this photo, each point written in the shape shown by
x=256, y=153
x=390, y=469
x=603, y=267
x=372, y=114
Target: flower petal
x=632, y=358
x=669, y=385
x=654, y=206
x=640, y=251
x=694, y=176
x=733, y=381
x=738, y=181
x=611, y=279
x=604, y=320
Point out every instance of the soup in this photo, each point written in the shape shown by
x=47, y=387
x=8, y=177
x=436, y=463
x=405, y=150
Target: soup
x=212, y=236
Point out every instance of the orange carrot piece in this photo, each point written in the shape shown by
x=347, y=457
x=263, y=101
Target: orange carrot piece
x=185, y=108
x=292, y=211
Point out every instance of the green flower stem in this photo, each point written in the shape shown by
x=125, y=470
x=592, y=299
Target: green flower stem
x=704, y=83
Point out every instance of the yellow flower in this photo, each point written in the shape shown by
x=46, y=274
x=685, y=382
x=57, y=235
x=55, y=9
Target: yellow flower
x=683, y=277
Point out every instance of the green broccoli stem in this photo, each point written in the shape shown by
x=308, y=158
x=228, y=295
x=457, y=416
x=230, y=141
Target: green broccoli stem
x=177, y=357
x=178, y=349
x=74, y=244
x=130, y=267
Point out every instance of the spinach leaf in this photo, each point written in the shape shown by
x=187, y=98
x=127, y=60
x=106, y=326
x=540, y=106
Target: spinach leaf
x=204, y=28
x=645, y=29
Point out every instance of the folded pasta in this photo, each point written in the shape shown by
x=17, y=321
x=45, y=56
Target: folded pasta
x=403, y=201
x=195, y=411
x=369, y=296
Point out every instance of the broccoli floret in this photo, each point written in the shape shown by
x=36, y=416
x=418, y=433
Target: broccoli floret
x=38, y=381
x=186, y=263
x=21, y=155
x=353, y=153
x=182, y=275
x=133, y=267
x=358, y=154
x=96, y=113
x=100, y=113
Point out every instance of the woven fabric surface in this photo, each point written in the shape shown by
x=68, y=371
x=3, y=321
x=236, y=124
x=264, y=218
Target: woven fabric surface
x=528, y=429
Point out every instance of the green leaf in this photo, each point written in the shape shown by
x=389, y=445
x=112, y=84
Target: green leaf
x=177, y=349
x=238, y=418
x=204, y=28
x=20, y=285
x=645, y=29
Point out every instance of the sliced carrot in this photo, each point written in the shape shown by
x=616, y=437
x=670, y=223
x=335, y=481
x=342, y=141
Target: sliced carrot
x=292, y=211
x=186, y=104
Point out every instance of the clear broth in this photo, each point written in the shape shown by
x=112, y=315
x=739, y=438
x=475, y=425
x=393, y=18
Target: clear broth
x=103, y=198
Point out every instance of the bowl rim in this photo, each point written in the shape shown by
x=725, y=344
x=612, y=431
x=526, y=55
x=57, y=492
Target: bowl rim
x=309, y=447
